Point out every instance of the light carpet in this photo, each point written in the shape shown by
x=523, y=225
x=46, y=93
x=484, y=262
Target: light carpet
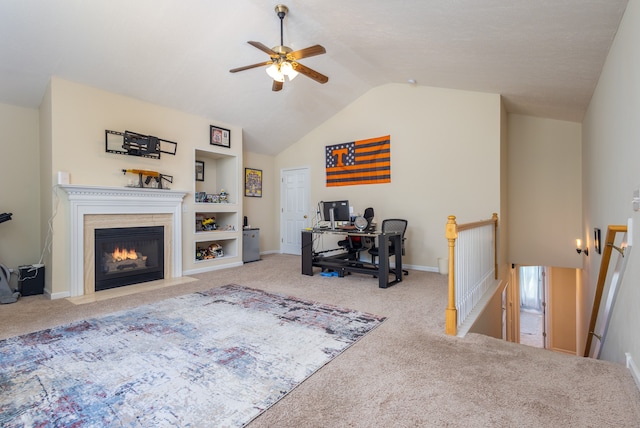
x=213, y=358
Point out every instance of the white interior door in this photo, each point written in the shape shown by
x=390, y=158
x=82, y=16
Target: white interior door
x=294, y=209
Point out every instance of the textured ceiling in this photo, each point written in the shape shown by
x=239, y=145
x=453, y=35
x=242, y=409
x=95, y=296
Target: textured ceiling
x=543, y=56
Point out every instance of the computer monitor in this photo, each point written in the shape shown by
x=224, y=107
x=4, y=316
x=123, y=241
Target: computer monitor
x=340, y=211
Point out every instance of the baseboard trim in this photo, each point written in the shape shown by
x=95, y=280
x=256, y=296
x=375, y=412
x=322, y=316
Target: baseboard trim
x=211, y=268
x=631, y=365
x=54, y=296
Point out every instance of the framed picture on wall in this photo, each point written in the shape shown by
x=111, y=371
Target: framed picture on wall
x=199, y=171
x=219, y=136
x=253, y=182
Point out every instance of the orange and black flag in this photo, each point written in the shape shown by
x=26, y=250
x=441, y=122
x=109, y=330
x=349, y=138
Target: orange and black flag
x=359, y=162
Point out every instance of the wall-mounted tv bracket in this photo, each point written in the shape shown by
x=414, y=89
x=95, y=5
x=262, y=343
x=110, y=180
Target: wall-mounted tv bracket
x=150, y=175
x=134, y=144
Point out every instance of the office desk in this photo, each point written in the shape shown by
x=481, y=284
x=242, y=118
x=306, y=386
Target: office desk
x=342, y=262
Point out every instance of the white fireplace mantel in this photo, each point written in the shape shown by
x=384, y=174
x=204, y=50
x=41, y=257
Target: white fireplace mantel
x=88, y=200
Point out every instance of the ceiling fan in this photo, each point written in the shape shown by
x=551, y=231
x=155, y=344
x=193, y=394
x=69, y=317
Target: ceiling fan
x=284, y=61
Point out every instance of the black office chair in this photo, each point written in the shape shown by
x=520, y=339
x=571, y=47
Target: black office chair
x=355, y=244
x=391, y=225
x=368, y=215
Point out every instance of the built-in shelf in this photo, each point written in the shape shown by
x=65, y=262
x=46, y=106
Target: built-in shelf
x=220, y=181
x=217, y=249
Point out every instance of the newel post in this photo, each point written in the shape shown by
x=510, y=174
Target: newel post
x=451, y=233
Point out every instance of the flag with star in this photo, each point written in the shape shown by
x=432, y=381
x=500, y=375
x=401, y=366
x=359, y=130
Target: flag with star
x=359, y=162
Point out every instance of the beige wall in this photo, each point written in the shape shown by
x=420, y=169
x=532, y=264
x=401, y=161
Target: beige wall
x=611, y=159
x=48, y=207
x=545, y=193
x=263, y=212
x=79, y=117
x=19, y=184
x=503, y=220
x=562, y=310
x=445, y=160
x=489, y=322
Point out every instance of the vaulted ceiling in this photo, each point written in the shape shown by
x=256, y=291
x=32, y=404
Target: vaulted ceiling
x=543, y=56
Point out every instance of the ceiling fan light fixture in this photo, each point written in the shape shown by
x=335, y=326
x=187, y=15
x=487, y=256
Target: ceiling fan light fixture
x=283, y=60
x=287, y=69
x=274, y=72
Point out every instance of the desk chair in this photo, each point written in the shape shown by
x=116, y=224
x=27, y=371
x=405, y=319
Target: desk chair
x=368, y=215
x=391, y=225
x=355, y=244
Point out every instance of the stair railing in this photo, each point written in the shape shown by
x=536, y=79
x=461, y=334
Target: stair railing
x=473, y=267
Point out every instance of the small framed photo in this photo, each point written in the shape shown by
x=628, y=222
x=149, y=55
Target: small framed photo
x=199, y=171
x=220, y=136
x=253, y=182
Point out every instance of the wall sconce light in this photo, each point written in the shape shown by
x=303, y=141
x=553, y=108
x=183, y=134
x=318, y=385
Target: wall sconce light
x=579, y=247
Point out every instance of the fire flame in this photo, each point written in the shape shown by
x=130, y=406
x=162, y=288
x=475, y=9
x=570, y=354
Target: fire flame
x=120, y=255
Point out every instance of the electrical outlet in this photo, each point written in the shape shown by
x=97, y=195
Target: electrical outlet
x=636, y=200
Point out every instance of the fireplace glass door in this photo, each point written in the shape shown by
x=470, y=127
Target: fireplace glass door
x=128, y=255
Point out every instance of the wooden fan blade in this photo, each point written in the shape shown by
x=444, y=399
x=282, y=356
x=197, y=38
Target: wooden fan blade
x=247, y=67
x=307, y=52
x=263, y=48
x=276, y=86
x=320, y=78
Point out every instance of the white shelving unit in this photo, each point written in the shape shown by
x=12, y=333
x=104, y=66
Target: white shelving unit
x=216, y=246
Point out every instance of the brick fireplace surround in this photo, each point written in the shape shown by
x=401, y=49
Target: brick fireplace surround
x=92, y=207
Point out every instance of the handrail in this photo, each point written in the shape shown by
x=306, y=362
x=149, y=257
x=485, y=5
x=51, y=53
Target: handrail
x=451, y=233
x=612, y=230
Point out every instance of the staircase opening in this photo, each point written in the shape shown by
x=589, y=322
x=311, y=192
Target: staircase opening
x=533, y=326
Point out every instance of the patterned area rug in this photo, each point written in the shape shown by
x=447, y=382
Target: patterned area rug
x=214, y=358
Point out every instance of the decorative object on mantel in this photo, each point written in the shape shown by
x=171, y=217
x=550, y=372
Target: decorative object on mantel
x=153, y=180
x=134, y=144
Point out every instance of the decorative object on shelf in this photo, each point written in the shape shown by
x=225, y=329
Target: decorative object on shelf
x=214, y=250
x=220, y=136
x=223, y=197
x=134, y=144
x=209, y=223
x=199, y=170
x=154, y=178
x=253, y=182
x=201, y=196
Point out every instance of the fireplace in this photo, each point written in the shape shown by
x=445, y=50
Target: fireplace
x=128, y=255
x=99, y=207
